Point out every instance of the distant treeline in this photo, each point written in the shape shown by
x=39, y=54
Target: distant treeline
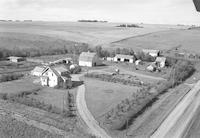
x=129, y=25
x=82, y=47
x=92, y=21
x=34, y=52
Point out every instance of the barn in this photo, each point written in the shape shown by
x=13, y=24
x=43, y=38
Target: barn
x=89, y=59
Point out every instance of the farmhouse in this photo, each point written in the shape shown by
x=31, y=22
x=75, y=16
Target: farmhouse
x=37, y=71
x=56, y=76
x=153, y=53
x=15, y=59
x=89, y=59
x=160, y=62
x=124, y=58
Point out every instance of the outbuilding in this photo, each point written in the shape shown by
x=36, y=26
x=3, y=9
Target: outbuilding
x=138, y=62
x=151, y=52
x=151, y=67
x=37, y=71
x=124, y=58
x=16, y=59
x=89, y=59
x=160, y=62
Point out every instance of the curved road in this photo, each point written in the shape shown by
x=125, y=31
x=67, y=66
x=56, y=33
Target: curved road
x=85, y=113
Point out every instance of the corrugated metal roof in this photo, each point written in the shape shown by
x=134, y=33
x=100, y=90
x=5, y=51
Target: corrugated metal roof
x=87, y=56
x=61, y=69
x=124, y=56
x=150, y=51
x=13, y=57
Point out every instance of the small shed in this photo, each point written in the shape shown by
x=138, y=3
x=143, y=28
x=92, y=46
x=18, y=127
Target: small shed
x=110, y=59
x=151, y=68
x=160, y=62
x=138, y=62
x=89, y=59
x=37, y=71
x=124, y=58
x=151, y=52
x=16, y=59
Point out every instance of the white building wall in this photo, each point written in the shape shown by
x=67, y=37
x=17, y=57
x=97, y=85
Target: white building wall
x=131, y=60
x=115, y=59
x=53, y=79
x=85, y=63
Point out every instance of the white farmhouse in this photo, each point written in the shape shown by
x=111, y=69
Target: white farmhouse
x=54, y=76
x=124, y=58
x=89, y=59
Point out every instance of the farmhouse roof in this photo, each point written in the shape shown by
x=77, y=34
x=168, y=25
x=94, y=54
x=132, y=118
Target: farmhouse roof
x=39, y=69
x=13, y=57
x=61, y=69
x=124, y=56
x=161, y=59
x=87, y=56
x=57, y=71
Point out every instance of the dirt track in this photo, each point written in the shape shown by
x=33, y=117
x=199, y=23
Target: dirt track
x=85, y=113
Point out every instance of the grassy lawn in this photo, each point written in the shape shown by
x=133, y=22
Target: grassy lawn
x=102, y=96
x=17, y=86
x=55, y=97
x=10, y=67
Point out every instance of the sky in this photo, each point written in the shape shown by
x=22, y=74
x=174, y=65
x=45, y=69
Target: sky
x=136, y=11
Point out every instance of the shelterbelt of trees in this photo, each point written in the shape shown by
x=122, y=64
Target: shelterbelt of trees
x=81, y=47
x=123, y=115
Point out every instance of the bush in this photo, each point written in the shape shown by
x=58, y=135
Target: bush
x=181, y=71
x=10, y=77
x=116, y=79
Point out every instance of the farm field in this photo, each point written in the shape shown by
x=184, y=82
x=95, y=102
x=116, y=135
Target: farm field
x=38, y=34
x=102, y=96
x=187, y=40
x=13, y=128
